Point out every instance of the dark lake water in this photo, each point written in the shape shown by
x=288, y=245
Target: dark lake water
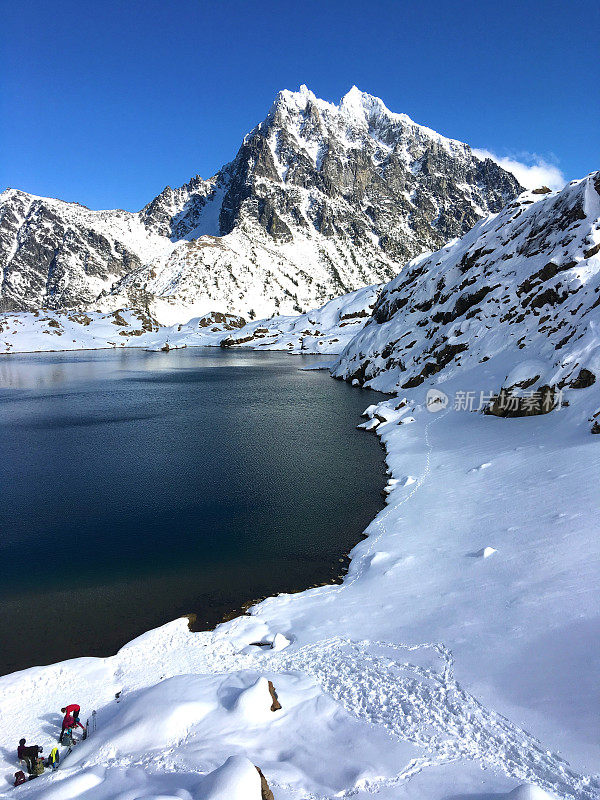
x=136, y=487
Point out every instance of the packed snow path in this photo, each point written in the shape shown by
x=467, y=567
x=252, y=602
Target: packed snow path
x=411, y=692
x=426, y=706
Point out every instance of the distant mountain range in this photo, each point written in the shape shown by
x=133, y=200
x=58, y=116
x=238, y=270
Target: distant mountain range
x=321, y=199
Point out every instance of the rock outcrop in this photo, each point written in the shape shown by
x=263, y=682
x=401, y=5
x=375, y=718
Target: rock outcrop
x=265, y=791
x=275, y=705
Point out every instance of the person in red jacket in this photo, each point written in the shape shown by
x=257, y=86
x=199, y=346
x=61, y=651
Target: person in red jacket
x=71, y=719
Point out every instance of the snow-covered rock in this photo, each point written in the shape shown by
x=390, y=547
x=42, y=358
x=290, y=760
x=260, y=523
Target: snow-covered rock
x=280, y=642
x=320, y=200
x=237, y=779
x=255, y=702
x=486, y=552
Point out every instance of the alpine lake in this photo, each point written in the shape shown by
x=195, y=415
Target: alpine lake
x=137, y=487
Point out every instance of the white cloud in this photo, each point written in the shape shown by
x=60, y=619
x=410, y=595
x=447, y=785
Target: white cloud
x=532, y=172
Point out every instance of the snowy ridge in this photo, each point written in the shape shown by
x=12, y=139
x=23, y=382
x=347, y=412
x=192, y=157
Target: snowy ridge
x=511, y=304
x=324, y=330
x=320, y=200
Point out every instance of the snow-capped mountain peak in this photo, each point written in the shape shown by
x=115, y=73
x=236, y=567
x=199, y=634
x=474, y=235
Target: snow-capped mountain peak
x=358, y=104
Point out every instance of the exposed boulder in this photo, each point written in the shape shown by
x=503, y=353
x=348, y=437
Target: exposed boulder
x=265, y=791
x=510, y=404
x=585, y=379
x=225, y=321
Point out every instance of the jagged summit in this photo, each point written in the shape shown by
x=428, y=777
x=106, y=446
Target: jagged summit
x=320, y=199
x=358, y=104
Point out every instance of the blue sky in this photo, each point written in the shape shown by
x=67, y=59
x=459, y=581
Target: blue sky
x=106, y=103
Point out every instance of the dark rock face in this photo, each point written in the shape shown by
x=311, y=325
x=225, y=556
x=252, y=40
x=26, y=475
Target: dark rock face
x=355, y=186
x=509, y=404
x=47, y=259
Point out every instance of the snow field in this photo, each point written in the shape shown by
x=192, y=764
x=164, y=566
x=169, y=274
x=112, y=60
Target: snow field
x=405, y=681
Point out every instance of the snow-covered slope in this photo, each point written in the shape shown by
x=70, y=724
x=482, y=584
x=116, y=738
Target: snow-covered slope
x=514, y=303
x=321, y=199
x=45, y=331
x=324, y=330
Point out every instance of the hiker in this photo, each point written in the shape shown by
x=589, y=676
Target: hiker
x=71, y=720
x=20, y=778
x=28, y=754
x=69, y=711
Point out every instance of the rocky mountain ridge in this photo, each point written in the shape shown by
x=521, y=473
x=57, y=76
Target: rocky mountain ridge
x=511, y=308
x=321, y=199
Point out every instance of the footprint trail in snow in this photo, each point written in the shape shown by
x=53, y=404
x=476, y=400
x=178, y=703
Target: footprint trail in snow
x=426, y=706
